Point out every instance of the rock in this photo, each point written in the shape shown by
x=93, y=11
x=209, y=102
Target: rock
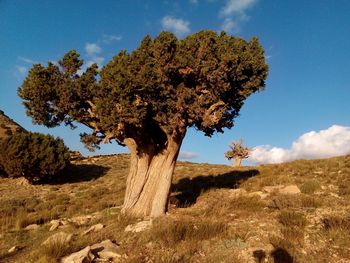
x=23, y=182
x=290, y=189
x=139, y=227
x=55, y=225
x=237, y=192
x=32, y=227
x=259, y=193
x=83, y=256
x=60, y=237
x=14, y=249
x=270, y=189
x=94, y=228
x=81, y=220
x=334, y=195
x=106, y=249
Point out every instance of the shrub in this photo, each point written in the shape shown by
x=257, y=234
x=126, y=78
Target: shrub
x=292, y=219
x=310, y=186
x=33, y=155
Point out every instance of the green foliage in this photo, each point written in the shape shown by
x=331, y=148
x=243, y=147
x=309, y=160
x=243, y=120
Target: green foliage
x=238, y=150
x=33, y=155
x=152, y=93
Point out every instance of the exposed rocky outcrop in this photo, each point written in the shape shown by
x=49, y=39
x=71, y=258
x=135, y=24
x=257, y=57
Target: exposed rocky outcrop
x=8, y=126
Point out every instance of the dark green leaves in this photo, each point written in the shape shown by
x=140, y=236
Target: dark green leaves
x=165, y=84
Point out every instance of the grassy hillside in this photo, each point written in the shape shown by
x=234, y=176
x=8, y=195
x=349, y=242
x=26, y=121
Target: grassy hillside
x=217, y=213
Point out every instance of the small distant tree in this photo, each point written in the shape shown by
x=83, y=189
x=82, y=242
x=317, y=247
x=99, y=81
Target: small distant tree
x=147, y=99
x=238, y=152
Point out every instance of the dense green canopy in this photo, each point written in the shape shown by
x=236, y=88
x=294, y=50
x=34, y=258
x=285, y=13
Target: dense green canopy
x=159, y=89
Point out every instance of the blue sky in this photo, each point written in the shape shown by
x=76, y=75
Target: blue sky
x=306, y=43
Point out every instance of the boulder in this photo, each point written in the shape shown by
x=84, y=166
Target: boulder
x=60, y=237
x=83, y=256
x=139, y=227
x=94, y=228
x=106, y=250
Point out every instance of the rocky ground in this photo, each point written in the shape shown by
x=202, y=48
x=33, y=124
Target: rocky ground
x=295, y=212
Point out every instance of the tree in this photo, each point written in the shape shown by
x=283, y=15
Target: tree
x=33, y=155
x=238, y=152
x=147, y=99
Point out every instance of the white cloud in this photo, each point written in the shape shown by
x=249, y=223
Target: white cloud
x=26, y=60
x=234, y=13
x=178, y=26
x=22, y=70
x=107, y=39
x=97, y=60
x=92, y=49
x=230, y=26
x=236, y=7
x=188, y=155
x=334, y=141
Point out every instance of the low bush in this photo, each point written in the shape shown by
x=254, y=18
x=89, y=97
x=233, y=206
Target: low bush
x=33, y=155
x=292, y=219
x=310, y=186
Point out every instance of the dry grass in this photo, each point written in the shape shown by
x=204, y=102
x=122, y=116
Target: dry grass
x=292, y=219
x=169, y=232
x=209, y=224
x=310, y=186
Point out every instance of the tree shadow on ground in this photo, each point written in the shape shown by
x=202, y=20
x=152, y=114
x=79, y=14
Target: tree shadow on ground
x=280, y=255
x=189, y=189
x=75, y=173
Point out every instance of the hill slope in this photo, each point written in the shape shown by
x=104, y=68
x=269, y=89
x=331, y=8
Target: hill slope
x=217, y=213
x=8, y=126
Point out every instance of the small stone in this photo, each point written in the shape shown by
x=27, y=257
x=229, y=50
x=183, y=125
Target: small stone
x=334, y=195
x=139, y=227
x=94, y=228
x=270, y=189
x=290, y=189
x=54, y=226
x=237, y=192
x=13, y=249
x=32, y=227
x=83, y=256
x=259, y=193
x=81, y=220
x=108, y=254
x=106, y=249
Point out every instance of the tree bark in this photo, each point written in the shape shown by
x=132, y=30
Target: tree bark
x=238, y=162
x=150, y=177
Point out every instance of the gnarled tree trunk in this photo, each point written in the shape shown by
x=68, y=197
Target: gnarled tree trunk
x=150, y=177
x=237, y=162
